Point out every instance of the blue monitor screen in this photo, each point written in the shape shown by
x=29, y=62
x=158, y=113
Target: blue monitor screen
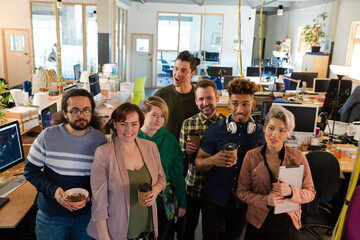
x=11, y=151
x=47, y=115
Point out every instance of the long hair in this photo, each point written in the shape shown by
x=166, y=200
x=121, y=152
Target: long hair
x=59, y=118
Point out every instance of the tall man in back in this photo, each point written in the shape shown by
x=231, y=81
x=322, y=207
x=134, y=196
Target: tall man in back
x=180, y=96
x=60, y=159
x=220, y=203
x=206, y=98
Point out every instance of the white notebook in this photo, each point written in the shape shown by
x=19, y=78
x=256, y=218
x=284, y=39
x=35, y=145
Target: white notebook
x=292, y=175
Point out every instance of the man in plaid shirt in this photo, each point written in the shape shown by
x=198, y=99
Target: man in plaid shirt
x=206, y=97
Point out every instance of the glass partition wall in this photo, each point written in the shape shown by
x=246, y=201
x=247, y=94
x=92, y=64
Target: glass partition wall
x=77, y=37
x=182, y=31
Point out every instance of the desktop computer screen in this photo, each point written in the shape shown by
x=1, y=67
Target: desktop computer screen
x=252, y=72
x=321, y=85
x=46, y=115
x=94, y=85
x=305, y=117
x=308, y=77
x=11, y=150
x=214, y=71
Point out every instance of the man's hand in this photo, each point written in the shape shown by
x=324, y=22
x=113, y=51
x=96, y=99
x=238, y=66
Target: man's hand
x=60, y=196
x=224, y=159
x=281, y=188
x=274, y=199
x=191, y=147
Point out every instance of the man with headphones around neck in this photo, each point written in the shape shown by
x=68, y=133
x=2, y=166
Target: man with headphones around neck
x=220, y=202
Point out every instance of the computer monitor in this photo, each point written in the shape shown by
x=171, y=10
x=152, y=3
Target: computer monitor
x=268, y=72
x=305, y=117
x=69, y=88
x=11, y=150
x=321, y=85
x=265, y=106
x=214, y=71
x=308, y=77
x=94, y=85
x=252, y=72
x=47, y=115
x=291, y=84
x=228, y=79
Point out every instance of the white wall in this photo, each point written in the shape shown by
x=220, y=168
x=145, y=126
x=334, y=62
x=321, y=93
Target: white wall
x=143, y=19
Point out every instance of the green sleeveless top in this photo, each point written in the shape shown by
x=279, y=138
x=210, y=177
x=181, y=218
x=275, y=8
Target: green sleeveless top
x=140, y=219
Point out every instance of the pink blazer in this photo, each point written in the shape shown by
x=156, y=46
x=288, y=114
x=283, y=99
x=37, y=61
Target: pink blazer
x=111, y=189
x=254, y=185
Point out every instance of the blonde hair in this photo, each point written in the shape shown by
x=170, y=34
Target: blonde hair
x=150, y=102
x=279, y=112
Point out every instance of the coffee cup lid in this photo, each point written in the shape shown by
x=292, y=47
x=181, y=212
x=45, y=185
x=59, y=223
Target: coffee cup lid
x=144, y=187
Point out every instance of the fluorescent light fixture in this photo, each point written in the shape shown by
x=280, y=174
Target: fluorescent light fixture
x=59, y=4
x=280, y=10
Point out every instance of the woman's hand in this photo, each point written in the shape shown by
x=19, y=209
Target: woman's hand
x=282, y=188
x=151, y=197
x=181, y=212
x=274, y=199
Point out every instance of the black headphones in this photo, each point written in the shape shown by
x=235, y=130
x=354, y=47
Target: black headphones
x=232, y=128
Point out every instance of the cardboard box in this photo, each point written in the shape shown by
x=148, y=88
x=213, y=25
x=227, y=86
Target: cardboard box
x=21, y=113
x=30, y=124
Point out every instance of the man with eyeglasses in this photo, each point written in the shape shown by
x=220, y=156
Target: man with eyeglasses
x=59, y=159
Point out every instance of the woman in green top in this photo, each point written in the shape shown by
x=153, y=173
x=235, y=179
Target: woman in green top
x=156, y=115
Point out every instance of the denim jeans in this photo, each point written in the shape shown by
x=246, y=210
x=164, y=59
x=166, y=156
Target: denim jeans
x=60, y=228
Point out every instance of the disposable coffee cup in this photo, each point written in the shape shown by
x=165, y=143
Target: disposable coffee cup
x=143, y=190
x=231, y=147
x=195, y=137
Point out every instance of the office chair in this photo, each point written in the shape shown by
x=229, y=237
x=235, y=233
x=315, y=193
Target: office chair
x=325, y=171
x=139, y=90
x=333, y=102
x=259, y=99
x=350, y=111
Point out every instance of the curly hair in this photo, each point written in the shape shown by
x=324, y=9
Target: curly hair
x=188, y=57
x=241, y=86
x=59, y=117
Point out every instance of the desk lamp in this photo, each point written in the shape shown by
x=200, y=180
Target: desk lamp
x=340, y=72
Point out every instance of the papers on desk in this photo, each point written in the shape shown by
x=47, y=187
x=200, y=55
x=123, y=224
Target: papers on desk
x=293, y=176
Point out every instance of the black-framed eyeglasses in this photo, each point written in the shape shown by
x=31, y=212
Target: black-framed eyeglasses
x=76, y=113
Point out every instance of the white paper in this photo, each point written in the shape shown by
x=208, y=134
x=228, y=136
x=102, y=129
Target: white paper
x=292, y=175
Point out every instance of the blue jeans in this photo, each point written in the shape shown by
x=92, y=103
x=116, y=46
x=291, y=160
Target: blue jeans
x=60, y=228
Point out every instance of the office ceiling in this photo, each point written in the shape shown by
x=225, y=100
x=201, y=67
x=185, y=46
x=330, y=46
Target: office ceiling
x=269, y=5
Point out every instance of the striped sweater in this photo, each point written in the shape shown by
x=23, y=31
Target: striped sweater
x=66, y=161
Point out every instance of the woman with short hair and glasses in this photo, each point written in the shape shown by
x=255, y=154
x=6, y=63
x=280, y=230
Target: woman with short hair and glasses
x=260, y=187
x=118, y=169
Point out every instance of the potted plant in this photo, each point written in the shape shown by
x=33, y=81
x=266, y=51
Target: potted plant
x=313, y=32
x=5, y=96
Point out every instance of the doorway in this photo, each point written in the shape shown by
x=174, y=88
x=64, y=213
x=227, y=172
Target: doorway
x=142, y=57
x=16, y=48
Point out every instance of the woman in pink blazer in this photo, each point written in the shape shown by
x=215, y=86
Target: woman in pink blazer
x=260, y=187
x=118, y=168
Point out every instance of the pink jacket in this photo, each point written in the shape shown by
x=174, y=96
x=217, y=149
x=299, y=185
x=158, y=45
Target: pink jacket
x=111, y=189
x=254, y=185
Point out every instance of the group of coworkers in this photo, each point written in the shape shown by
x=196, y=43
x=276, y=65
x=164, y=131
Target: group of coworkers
x=229, y=190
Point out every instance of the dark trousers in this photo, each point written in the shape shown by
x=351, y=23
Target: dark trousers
x=214, y=215
x=191, y=218
x=164, y=225
x=275, y=227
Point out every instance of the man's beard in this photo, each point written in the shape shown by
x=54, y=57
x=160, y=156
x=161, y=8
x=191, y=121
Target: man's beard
x=79, y=127
x=212, y=110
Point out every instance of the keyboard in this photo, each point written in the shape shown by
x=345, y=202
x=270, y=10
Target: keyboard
x=12, y=186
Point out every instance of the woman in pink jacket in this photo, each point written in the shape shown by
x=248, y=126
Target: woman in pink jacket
x=260, y=187
x=118, y=169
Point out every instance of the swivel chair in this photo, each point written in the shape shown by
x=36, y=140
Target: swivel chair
x=325, y=171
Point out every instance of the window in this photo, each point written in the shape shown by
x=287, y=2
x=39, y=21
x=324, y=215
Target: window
x=353, y=59
x=76, y=36
x=193, y=32
x=302, y=47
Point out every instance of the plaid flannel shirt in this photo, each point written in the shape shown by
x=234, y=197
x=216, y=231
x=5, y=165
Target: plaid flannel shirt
x=195, y=179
